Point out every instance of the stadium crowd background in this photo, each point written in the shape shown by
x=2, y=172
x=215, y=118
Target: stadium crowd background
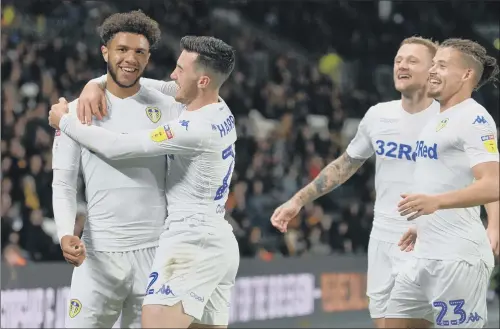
x=306, y=73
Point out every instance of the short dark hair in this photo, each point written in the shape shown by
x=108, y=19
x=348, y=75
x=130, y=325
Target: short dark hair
x=486, y=66
x=132, y=22
x=213, y=54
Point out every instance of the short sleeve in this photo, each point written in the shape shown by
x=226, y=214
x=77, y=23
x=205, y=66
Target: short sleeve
x=165, y=87
x=180, y=137
x=479, y=138
x=361, y=146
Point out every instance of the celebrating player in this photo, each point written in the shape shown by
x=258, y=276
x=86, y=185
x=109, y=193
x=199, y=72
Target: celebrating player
x=456, y=171
x=197, y=260
x=125, y=198
x=390, y=130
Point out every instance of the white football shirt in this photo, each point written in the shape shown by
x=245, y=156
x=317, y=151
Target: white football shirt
x=126, y=206
x=391, y=133
x=200, y=148
x=450, y=145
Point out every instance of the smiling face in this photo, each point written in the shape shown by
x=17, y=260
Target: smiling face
x=127, y=55
x=411, y=67
x=448, y=74
x=187, y=75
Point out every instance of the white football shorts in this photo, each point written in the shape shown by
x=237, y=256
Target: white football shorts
x=197, y=267
x=446, y=292
x=107, y=284
x=385, y=260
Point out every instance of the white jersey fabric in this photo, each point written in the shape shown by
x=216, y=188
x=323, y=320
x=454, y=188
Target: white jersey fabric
x=453, y=258
x=390, y=132
x=200, y=145
x=450, y=145
x=125, y=198
x=198, y=257
x=125, y=214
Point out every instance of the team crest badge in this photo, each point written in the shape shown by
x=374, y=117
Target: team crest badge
x=153, y=113
x=441, y=124
x=75, y=306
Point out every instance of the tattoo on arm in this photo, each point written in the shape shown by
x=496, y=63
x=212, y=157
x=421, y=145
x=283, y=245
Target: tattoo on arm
x=332, y=176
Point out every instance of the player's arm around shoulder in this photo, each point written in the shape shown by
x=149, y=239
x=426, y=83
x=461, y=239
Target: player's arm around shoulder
x=165, y=87
x=182, y=136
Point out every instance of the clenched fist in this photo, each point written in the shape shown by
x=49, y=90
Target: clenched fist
x=73, y=250
x=57, y=111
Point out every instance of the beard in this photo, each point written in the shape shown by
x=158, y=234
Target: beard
x=112, y=73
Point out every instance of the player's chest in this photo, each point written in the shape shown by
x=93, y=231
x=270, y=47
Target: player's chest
x=395, y=138
x=439, y=138
x=123, y=119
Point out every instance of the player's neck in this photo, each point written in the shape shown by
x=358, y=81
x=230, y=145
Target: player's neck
x=203, y=100
x=121, y=92
x=416, y=102
x=455, y=99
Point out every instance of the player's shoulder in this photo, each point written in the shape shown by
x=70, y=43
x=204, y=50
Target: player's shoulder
x=382, y=112
x=471, y=112
x=384, y=108
x=72, y=106
x=156, y=96
x=216, y=120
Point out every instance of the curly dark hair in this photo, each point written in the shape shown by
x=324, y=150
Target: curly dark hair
x=132, y=22
x=213, y=54
x=486, y=66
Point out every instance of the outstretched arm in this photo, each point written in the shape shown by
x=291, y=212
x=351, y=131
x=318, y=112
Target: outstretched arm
x=332, y=176
x=170, y=138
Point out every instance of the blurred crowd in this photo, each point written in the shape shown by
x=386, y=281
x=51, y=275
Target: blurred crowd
x=291, y=114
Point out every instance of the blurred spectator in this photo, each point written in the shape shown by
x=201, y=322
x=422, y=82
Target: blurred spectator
x=290, y=113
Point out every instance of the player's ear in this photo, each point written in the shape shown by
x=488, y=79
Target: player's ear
x=104, y=51
x=469, y=74
x=203, y=82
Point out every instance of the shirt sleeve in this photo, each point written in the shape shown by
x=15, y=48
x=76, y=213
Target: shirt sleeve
x=479, y=139
x=64, y=203
x=168, y=88
x=65, y=164
x=100, y=80
x=361, y=146
x=65, y=152
x=174, y=137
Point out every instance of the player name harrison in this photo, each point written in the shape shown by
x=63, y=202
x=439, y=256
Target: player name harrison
x=226, y=126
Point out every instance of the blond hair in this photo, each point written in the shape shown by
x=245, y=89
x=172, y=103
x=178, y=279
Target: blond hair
x=431, y=45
